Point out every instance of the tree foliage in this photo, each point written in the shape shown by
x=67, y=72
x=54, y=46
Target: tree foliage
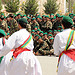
x=74, y=8
x=51, y=6
x=12, y=5
x=0, y=5
x=30, y=7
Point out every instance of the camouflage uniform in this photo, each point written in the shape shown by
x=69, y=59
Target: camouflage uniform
x=47, y=26
x=55, y=25
x=33, y=25
x=13, y=26
x=4, y=26
x=43, y=49
x=28, y=27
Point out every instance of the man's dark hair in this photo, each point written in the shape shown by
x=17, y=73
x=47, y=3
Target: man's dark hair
x=23, y=25
x=1, y=35
x=66, y=25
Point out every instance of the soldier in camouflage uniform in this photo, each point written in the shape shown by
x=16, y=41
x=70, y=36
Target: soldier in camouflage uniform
x=29, y=24
x=43, y=22
x=48, y=24
x=39, y=20
x=57, y=23
x=36, y=43
x=51, y=50
x=41, y=34
x=3, y=24
x=43, y=48
x=34, y=23
x=13, y=24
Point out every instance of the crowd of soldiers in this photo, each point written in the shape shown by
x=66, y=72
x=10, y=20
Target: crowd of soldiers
x=43, y=29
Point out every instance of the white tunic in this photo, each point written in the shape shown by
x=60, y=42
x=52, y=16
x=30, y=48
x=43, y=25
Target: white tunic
x=26, y=63
x=5, y=60
x=66, y=65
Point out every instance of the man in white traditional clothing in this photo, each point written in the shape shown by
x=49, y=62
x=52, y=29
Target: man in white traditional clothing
x=64, y=47
x=23, y=61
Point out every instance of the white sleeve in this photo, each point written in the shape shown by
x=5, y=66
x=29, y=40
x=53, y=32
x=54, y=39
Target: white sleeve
x=10, y=43
x=56, y=45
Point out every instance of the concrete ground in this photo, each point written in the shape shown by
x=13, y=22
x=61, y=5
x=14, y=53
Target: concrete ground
x=48, y=64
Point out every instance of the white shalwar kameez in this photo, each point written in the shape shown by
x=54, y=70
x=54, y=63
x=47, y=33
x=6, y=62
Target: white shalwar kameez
x=26, y=63
x=66, y=64
x=5, y=61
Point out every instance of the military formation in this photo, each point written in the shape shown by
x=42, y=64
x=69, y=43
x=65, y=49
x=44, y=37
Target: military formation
x=43, y=29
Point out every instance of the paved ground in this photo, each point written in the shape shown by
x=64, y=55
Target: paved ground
x=48, y=64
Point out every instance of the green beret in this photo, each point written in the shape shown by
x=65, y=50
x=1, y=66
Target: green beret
x=43, y=15
x=60, y=16
x=59, y=26
x=44, y=33
x=33, y=34
x=52, y=14
x=50, y=31
x=33, y=19
x=55, y=30
x=73, y=15
x=36, y=27
x=2, y=14
x=29, y=17
x=38, y=30
x=39, y=37
x=39, y=17
x=51, y=38
x=59, y=31
x=22, y=20
x=8, y=26
x=8, y=34
x=47, y=16
x=2, y=32
x=54, y=17
x=36, y=35
x=33, y=31
x=24, y=15
x=50, y=35
x=41, y=32
x=70, y=14
x=5, y=17
x=57, y=15
x=67, y=19
x=15, y=16
x=18, y=14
